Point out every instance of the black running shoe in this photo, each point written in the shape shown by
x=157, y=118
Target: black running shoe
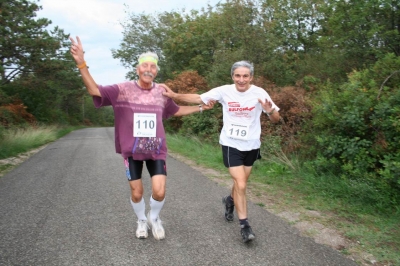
x=228, y=209
x=247, y=234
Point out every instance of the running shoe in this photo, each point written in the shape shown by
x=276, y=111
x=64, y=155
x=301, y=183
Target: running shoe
x=156, y=227
x=228, y=209
x=141, y=231
x=247, y=234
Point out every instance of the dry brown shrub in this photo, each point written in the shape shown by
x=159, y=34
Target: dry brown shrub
x=18, y=114
x=188, y=82
x=294, y=109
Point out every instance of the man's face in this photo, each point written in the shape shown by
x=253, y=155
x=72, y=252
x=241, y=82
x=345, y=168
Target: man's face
x=242, y=78
x=147, y=72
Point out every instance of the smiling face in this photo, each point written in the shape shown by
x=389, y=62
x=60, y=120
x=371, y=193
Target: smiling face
x=242, y=78
x=147, y=72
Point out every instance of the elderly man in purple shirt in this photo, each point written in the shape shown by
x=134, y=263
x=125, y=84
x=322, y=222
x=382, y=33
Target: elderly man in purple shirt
x=139, y=109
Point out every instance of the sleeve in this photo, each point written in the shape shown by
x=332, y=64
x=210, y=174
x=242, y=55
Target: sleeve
x=170, y=109
x=213, y=94
x=108, y=96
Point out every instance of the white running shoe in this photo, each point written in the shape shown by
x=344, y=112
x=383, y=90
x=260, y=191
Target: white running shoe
x=141, y=231
x=156, y=227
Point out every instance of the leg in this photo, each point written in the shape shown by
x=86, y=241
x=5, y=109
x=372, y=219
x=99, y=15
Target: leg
x=240, y=175
x=134, y=174
x=158, y=175
x=133, y=170
x=157, y=198
x=240, y=164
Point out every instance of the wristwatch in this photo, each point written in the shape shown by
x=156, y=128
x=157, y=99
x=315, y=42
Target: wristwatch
x=270, y=113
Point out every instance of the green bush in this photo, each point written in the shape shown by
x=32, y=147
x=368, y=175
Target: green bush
x=356, y=129
x=206, y=125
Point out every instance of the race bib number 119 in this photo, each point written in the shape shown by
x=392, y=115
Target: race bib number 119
x=237, y=131
x=144, y=125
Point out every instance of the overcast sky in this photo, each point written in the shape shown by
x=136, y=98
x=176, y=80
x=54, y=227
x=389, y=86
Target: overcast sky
x=97, y=23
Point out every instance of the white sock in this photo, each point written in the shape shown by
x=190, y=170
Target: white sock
x=155, y=207
x=139, y=209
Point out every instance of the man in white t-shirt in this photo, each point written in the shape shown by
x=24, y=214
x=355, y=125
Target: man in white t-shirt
x=243, y=104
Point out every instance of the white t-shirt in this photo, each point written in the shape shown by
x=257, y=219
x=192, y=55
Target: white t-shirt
x=241, y=115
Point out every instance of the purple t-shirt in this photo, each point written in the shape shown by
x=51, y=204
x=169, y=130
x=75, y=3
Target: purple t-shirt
x=138, y=119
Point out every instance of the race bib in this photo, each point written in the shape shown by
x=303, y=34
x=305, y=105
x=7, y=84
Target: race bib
x=144, y=125
x=237, y=131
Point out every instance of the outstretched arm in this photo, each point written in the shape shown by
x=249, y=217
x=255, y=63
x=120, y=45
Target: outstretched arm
x=189, y=98
x=187, y=110
x=77, y=53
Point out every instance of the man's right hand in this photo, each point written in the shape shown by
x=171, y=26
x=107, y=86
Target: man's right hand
x=168, y=92
x=77, y=51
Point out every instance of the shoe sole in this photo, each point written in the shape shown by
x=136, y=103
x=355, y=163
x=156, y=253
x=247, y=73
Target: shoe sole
x=141, y=237
x=226, y=218
x=251, y=237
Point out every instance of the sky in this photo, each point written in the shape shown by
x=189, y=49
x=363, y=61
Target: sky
x=98, y=25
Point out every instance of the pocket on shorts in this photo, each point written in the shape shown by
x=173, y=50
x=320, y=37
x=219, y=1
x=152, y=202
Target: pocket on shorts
x=147, y=145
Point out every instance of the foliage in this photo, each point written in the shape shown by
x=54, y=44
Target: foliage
x=14, y=114
x=96, y=116
x=357, y=134
x=206, y=124
x=140, y=35
x=36, y=67
x=26, y=46
x=286, y=40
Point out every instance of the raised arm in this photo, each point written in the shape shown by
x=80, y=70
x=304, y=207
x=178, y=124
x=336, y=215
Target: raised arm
x=78, y=55
x=189, y=98
x=269, y=110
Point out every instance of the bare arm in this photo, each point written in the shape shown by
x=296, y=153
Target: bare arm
x=77, y=53
x=275, y=117
x=189, y=98
x=187, y=110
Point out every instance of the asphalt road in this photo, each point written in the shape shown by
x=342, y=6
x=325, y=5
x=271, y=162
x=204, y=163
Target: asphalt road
x=69, y=205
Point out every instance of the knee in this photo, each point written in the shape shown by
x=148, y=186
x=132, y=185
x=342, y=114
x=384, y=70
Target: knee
x=240, y=186
x=159, y=194
x=137, y=194
x=136, y=197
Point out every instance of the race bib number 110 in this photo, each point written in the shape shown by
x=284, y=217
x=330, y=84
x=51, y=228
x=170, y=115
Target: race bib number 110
x=144, y=125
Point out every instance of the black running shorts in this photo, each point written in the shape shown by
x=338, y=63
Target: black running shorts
x=133, y=168
x=234, y=157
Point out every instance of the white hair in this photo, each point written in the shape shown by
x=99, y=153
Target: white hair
x=149, y=54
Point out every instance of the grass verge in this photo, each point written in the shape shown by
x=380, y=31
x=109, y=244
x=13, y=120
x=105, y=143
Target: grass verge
x=19, y=140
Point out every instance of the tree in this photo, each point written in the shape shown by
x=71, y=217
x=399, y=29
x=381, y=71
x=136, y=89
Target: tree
x=35, y=64
x=361, y=32
x=140, y=34
x=26, y=42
